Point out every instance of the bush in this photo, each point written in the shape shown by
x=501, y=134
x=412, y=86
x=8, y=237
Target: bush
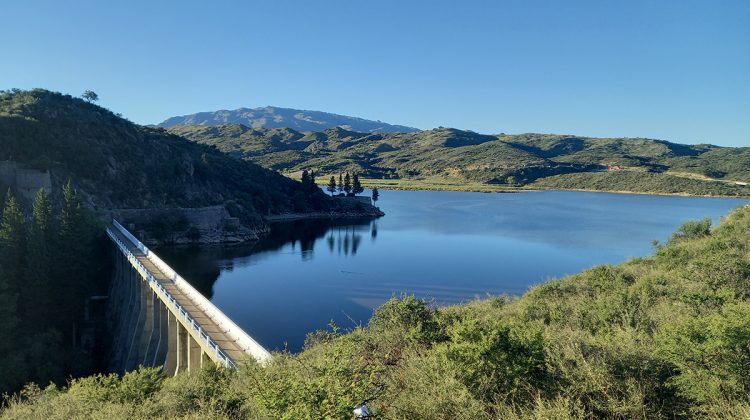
x=692, y=230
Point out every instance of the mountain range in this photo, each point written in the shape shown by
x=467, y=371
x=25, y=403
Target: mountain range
x=275, y=117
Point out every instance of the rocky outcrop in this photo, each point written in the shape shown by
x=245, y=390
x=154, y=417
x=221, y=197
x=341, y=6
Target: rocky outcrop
x=180, y=226
x=214, y=225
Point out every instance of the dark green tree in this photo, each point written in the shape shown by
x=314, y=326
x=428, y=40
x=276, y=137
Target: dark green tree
x=10, y=370
x=39, y=292
x=347, y=183
x=71, y=223
x=72, y=258
x=313, y=183
x=375, y=195
x=90, y=96
x=13, y=243
x=305, y=179
x=357, y=186
x=341, y=183
x=332, y=185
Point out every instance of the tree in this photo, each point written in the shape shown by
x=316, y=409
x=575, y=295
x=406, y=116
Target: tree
x=11, y=373
x=38, y=297
x=332, y=185
x=305, y=178
x=73, y=255
x=347, y=184
x=70, y=215
x=341, y=183
x=357, y=186
x=90, y=96
x=313, y=184
x=12, y=243
x=375, y=195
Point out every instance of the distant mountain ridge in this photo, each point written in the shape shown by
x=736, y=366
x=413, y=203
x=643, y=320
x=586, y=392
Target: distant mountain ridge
x=275, y=117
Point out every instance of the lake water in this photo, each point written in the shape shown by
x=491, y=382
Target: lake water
x=446, y=246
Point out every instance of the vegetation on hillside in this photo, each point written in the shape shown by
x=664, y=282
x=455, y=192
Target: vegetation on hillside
x=640, y=182
x=117, y=164
x=504, y=161
x=52, y=259
x=665, y=336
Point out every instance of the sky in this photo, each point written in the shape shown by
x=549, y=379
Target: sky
x=673, y=70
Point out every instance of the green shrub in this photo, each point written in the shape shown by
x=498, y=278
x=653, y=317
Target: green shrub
x=692, y=229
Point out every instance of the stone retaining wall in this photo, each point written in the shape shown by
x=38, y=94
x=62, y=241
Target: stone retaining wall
x=26, y=182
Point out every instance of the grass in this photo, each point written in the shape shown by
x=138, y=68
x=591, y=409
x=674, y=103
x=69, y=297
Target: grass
x=435, y=184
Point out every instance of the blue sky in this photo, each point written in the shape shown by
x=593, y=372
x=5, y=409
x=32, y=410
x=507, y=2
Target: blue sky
x=675, y=70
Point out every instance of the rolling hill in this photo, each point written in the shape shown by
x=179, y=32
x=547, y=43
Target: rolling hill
x=524, y=160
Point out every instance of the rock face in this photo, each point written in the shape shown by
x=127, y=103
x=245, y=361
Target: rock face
x=180, y=226
x=26, y=182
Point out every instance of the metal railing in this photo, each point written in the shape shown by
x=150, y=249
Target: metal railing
x=208, y=309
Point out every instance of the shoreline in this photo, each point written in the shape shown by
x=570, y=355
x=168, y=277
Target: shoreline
x=522, y=190
x=290, y=217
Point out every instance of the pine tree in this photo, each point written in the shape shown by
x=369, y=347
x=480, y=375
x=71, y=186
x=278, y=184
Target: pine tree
x=313, y=183
x=305, y=180
x=341, y=183
x=332, y=185
x=70, y=213
x=38, y=294
x=357, y=186
x=72, y=258
x=13, y=243
x=375, y=195
x=10, y=373
x=347, y=184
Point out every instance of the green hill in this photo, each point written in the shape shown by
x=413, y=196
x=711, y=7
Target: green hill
x=117, y=164
x=525, y=160
x=665, y=336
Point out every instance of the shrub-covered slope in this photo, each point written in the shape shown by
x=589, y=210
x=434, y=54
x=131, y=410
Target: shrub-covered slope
x=118, y=164
x=665, y=336
x=510, y=160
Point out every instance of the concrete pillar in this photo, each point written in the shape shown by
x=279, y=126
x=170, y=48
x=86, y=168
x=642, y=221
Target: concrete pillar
x=135, y=341
x=194, y=359
x=160, y=352
x=148, y=325
x=170, y=363
x=182, y=348
x=205, y=359
x=156, y=332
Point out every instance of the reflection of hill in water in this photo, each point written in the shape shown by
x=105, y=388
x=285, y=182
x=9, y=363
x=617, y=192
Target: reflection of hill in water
x=201, y=266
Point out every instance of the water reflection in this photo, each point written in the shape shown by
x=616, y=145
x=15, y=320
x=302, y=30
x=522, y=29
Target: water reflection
x=203, y=265
x=449, y=247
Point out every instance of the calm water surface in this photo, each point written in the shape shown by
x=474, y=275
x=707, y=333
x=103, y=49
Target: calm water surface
x=446, y=246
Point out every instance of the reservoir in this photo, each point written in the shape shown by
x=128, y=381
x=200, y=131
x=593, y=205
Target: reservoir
x=447, y=247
